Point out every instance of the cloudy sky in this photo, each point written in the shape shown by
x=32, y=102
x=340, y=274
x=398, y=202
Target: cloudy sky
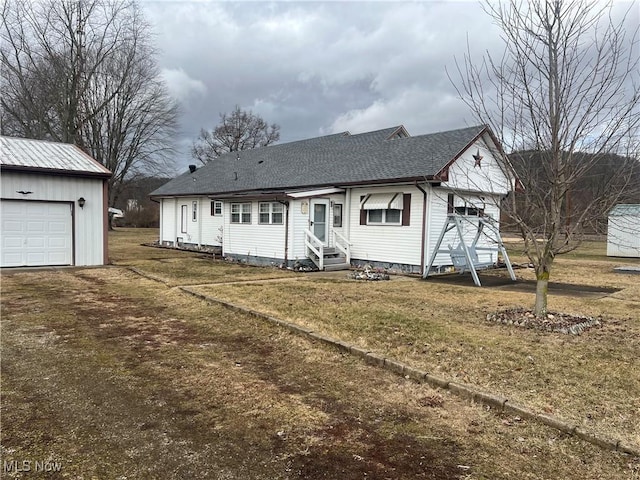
x=317, y=68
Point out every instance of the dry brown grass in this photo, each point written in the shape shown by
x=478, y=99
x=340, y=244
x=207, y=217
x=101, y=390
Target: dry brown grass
x=116, y=376
x=180, y=267
x=590, y=379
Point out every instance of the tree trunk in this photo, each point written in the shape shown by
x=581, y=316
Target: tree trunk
x=542, y=288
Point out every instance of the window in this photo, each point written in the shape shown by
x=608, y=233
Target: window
x=337, y=214
x=183, y=218
x=270, y=213
x=462, y=207
x=385, y=209
x=240, y=213
x=194, y=212
x=216, y=208
x=390, y=216
x=470, y=211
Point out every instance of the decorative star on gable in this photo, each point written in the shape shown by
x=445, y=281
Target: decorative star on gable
x=478, y=158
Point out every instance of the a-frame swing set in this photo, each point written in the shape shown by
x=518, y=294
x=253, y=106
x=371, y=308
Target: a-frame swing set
x=466, y=257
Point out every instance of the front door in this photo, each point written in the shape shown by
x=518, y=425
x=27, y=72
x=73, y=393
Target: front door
x=319, y=220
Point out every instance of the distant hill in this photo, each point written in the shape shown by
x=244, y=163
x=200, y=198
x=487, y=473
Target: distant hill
x=596, y=176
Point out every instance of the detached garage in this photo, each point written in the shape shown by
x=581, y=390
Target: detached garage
x=623, y=231
x=53, y=206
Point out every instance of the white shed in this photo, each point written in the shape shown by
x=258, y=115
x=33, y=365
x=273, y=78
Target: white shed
x=53, y=205
x=623, y=231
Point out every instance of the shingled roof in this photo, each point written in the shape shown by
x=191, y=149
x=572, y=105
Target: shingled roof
x=333, y=160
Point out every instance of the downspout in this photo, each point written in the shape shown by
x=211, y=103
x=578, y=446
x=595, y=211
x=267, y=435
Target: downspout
x=346, y=215
x=424, y=227
x=199, y=218
x=177, y=222
x=286, y=233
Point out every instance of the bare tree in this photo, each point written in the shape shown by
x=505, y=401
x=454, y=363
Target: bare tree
x=566, y=88
x=241, y=130
x=84, y=72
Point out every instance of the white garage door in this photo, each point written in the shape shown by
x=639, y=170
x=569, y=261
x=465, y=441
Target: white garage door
x=35, y=233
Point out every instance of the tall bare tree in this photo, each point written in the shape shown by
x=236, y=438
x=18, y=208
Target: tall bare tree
x=241, y=130
x=84, y=72
x=567, y=87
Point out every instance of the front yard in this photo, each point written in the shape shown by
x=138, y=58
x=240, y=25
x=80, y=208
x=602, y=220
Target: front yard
x=117, y=376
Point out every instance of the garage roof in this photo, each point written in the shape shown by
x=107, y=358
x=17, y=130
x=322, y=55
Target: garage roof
x=47, y=157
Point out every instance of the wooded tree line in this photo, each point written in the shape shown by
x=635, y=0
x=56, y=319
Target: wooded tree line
x=85, y=72
x=584, y=210
x=139, y=210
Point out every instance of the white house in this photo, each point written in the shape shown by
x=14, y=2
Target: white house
x=379, y=197
x=53, y=206
x=623, y=231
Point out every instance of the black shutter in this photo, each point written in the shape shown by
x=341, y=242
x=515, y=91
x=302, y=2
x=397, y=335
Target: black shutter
x=363, y=212
x=406, y=208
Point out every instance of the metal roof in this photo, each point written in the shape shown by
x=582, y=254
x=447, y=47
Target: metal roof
x=625, y=209
x=40, y=155
x=314, y=193
x=333, y=160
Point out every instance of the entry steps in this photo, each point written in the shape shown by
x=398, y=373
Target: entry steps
x=334, y=260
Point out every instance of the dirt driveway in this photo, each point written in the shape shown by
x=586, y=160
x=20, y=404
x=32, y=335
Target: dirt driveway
x=109, y=375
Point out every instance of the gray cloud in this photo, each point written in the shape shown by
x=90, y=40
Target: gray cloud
x=317, y=68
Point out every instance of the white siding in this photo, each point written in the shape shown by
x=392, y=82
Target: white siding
x=623, y=236
x=192, y=233
x=212, y=226
x=341, y=199
x=387, y=243
x=168, y=220
x=438, y=206
x=437, y=216
x=252, y=239
x=488, y=177
x=205, y=230
x=299, y=222
x=89, y=234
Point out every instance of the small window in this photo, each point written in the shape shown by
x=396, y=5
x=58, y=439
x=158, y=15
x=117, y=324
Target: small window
x=240, y=213
x=216, y=208
x=270, y=213
x=463, y=207
x=194, y=212
x=337, y=214
x=389, y=216
x=184, y=218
